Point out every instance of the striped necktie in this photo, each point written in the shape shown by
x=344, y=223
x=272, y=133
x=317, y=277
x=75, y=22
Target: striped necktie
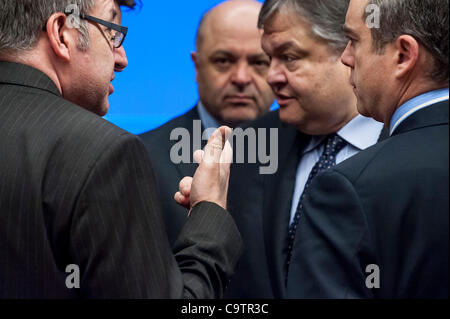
x=333, y=145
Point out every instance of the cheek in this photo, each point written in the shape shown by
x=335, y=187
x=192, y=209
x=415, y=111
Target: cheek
x=304, y=88
x=362, y=67
x=263, y=87
x=213, y=81
x=296, y=83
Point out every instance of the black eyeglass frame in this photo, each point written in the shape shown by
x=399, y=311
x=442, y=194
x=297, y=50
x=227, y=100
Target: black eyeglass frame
x=109, y=25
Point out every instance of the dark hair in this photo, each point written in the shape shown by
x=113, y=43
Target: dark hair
x=21, y=21
x=425, y=20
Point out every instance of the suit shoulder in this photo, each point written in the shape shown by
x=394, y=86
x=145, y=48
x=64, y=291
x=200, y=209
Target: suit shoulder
x=82, y=124
x=50, y=117
x=400, y=155
x=269, y=120
x=163, y=131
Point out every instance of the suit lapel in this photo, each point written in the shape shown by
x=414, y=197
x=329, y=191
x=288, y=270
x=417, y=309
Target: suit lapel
x=384, y=134
x=188, y=169
x=278, y=190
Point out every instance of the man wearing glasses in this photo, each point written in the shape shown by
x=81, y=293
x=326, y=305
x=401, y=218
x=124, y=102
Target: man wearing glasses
x=78, y=211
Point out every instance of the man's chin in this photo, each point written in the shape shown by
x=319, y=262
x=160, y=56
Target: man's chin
x=101, y=110
x=235, y=120
x=362, y=109
x=104, y=110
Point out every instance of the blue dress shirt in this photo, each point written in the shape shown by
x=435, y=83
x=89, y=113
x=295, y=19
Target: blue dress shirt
x=209, y=123
x=416, y=104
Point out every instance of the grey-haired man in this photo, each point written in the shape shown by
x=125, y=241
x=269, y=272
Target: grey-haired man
x=79, y=217
x=320, y=127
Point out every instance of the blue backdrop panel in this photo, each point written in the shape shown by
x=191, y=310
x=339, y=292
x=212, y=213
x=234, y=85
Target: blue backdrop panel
x=159, y=82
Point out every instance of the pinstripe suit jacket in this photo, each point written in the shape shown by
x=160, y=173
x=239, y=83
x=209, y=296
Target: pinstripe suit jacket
x=75, y=189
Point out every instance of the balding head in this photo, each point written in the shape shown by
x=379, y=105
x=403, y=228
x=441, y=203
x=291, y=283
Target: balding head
x=228, y=16
x=230, y=63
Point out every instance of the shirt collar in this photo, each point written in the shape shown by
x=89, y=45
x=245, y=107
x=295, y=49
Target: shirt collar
x=361, y=132
x=208, y=121
x=416, y=104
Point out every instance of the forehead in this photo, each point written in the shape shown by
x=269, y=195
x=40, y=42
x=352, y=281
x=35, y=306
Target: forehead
x=287, y=27
x=107, y=9
x=355, y=13
x=234, y=30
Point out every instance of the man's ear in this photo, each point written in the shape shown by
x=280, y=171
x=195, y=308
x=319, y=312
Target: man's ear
x=407, y=55
x=60, y=36
x=194, y=57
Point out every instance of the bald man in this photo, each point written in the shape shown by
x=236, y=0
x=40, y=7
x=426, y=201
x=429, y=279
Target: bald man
x=231, y=70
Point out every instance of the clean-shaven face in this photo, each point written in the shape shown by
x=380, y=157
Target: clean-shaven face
x=231, y=66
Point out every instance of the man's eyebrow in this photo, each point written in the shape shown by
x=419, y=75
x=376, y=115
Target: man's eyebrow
x=348, y=31
x=223, y=52
x=289, y=45
x=258, y=56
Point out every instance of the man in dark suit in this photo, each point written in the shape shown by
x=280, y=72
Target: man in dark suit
x=317, y=105
x=231, y=75
x=377, y=225
x=79, y=214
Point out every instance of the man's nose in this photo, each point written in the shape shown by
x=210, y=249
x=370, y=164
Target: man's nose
x=347, y=58
x=276, y=76
x=241, y=75
x=120, y=59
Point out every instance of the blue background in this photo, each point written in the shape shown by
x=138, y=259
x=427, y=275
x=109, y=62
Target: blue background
x=159, y=82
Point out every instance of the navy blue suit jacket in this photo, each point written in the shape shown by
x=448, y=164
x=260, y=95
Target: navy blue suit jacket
x=387, y=206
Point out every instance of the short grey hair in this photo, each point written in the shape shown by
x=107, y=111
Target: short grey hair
x=325, y=16
x=425, y=20
x=21, y=21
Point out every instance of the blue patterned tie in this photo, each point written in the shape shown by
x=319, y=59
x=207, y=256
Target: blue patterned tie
x=334, y=144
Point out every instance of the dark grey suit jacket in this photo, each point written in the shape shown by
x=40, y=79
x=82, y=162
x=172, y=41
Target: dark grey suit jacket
x=76, y=189
x=387, y=206
x=247, y=195
x=260, y=205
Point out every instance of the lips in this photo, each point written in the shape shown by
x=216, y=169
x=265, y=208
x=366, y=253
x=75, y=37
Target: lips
x=239, y=99
x=111, y=86
x=282, y=99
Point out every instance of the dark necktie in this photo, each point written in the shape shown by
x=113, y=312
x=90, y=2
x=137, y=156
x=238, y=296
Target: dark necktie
x=333, y=145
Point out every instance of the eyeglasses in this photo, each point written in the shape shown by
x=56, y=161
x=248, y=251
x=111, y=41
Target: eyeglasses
x=121, y=32
x=117, y=39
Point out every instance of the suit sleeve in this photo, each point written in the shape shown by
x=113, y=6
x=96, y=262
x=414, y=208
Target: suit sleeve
x=332, y=245
x=118, y=237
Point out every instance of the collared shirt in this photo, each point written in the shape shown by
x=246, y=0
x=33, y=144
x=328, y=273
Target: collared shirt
x=360, y=133
x=209, y=123
x=416, y=104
